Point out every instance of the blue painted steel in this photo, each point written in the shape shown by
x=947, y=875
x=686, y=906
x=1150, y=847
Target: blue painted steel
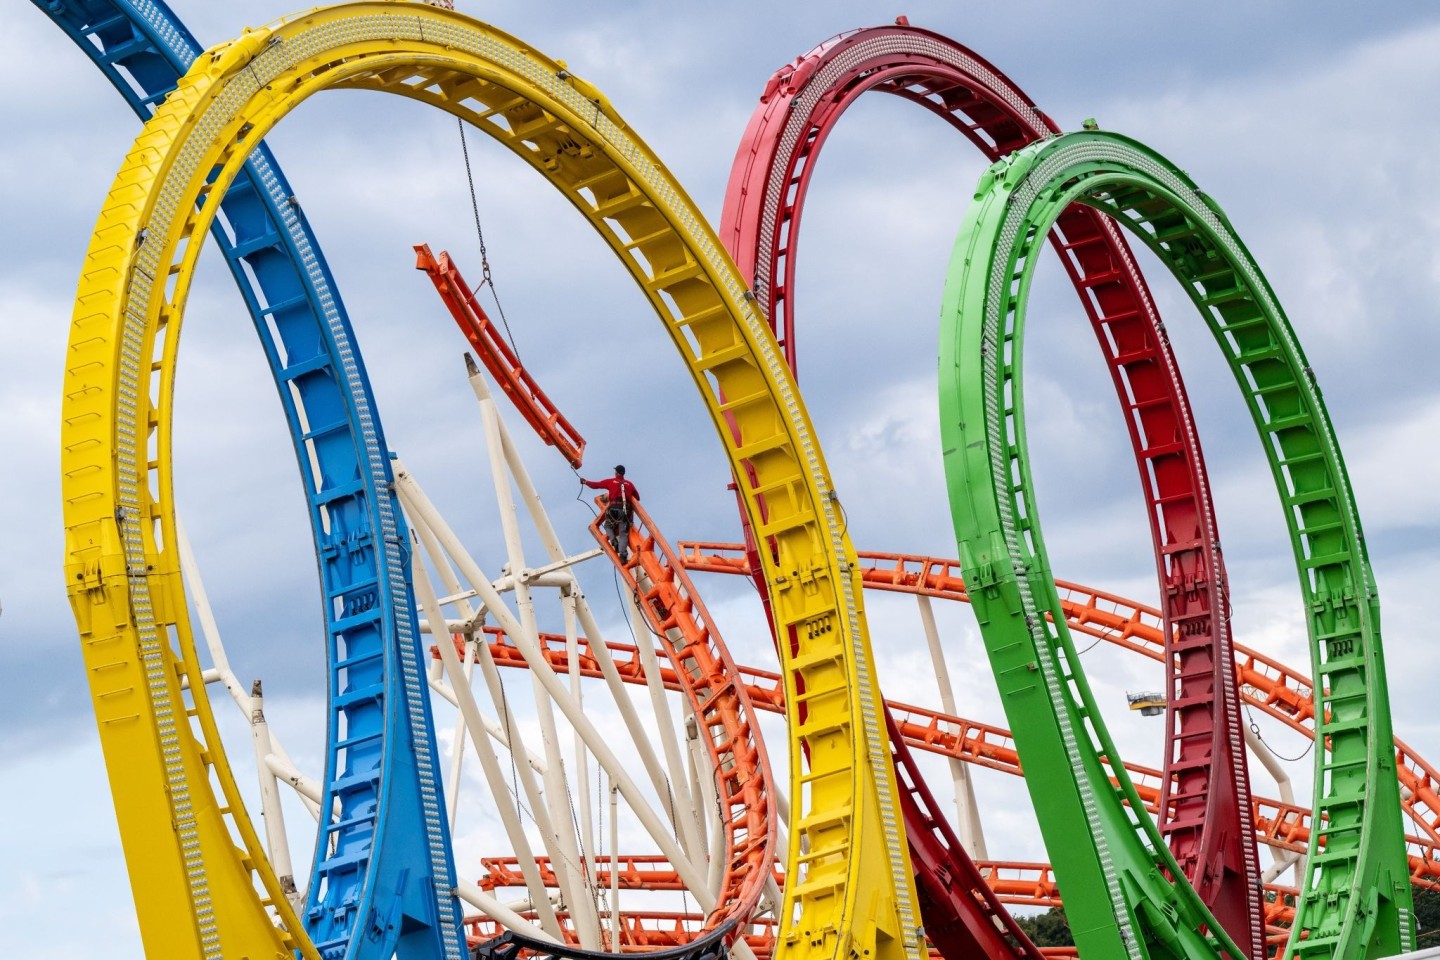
x=382, y=876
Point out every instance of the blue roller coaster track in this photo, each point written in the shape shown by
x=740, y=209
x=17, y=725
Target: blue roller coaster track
x=382, y=876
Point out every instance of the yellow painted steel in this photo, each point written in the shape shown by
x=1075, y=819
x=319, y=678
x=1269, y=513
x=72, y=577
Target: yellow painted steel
x=853, y=890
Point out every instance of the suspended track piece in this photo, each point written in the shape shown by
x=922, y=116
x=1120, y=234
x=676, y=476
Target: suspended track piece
x=379, y=744
x=1206, y=783
x=720, y=703
x=851, y=887
x=1355, y=900
x=537, y=409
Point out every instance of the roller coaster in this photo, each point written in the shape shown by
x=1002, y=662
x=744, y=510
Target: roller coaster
x=851, y=854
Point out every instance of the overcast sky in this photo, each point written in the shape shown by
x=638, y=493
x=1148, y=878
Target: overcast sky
x=1313, y=125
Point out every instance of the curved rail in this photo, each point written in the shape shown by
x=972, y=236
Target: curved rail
x=1205, y=783
x=1275, y=824
x=1281, y=692
x=1355, y=900
x=853, y=886
x=720, y=704
x=538, y=410
x=379, y=742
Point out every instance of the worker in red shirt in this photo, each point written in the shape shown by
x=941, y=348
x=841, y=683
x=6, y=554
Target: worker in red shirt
x=620, y=497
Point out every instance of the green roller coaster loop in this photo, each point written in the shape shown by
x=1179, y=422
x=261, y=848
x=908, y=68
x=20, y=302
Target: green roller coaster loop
x=1108, y=856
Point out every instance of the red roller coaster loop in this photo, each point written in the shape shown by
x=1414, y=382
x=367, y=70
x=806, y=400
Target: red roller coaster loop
x=1205, y=787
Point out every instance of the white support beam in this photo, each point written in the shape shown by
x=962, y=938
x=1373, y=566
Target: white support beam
x=509, y=817
x=967, y=809
x=417, y=505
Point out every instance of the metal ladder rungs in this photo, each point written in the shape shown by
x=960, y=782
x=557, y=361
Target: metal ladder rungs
x=730, y=354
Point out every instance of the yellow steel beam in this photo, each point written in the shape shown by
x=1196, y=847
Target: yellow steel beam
x=852, y=889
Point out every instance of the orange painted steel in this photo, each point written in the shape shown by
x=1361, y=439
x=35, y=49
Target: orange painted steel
x=497, y=356
x=647, y=871
x=1015, y=882
x=646, y=930
x=702, y=668
x=1265, y=684
x=1284, y=826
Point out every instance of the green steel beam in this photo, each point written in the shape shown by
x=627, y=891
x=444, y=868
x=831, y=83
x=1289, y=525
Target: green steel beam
x=1109, y=859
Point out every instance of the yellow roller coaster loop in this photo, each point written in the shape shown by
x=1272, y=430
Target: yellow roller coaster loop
x=193, y=852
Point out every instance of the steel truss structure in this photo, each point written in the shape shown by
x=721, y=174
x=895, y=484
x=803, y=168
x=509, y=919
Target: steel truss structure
x=870, y=867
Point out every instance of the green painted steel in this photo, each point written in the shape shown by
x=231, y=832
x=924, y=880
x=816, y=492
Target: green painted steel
x=1108, y=855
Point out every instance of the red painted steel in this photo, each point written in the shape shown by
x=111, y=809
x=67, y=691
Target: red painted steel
x=963, y=917
x=498, y=358
x=1206, y=786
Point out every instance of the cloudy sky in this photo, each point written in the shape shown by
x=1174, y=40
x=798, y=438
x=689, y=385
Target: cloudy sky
x=1313, y=124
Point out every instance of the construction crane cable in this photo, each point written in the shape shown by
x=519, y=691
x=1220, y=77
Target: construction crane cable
x=486, y=278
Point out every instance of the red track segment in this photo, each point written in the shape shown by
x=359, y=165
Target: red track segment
x=704, y=670
x=498, y=358
x=962, y=913
x=1206, y=786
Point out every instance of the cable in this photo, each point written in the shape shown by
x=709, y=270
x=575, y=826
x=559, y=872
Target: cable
x=1255, y=729
x=486, y=278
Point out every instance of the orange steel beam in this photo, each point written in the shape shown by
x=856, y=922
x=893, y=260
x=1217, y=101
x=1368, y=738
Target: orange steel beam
x=649, y=871
x=1285, y=826
x=1266, y=684
x=498, y=358
x=1015, y=883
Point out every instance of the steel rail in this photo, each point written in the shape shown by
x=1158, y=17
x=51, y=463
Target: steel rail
x=379, y=742
x=855, y=887
x=1206, y=782
x=1355, y=900
x=1279, y=691
x=499, y=359
x=729, y=729
x=1275, y=824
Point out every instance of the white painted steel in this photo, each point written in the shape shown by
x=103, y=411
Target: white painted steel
x=276, y=843
x=967, y=808
x=1281, y=860
x=677, y=797
x=494, y=777
x=561, y=843
x=417, y=505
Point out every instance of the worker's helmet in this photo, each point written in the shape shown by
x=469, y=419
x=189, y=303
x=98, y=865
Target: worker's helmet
x=620, y=469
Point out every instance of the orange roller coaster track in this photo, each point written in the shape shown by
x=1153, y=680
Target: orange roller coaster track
x=1280, y=825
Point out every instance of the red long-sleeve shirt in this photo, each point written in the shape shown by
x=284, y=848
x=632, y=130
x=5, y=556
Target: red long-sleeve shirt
x=616, y=489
